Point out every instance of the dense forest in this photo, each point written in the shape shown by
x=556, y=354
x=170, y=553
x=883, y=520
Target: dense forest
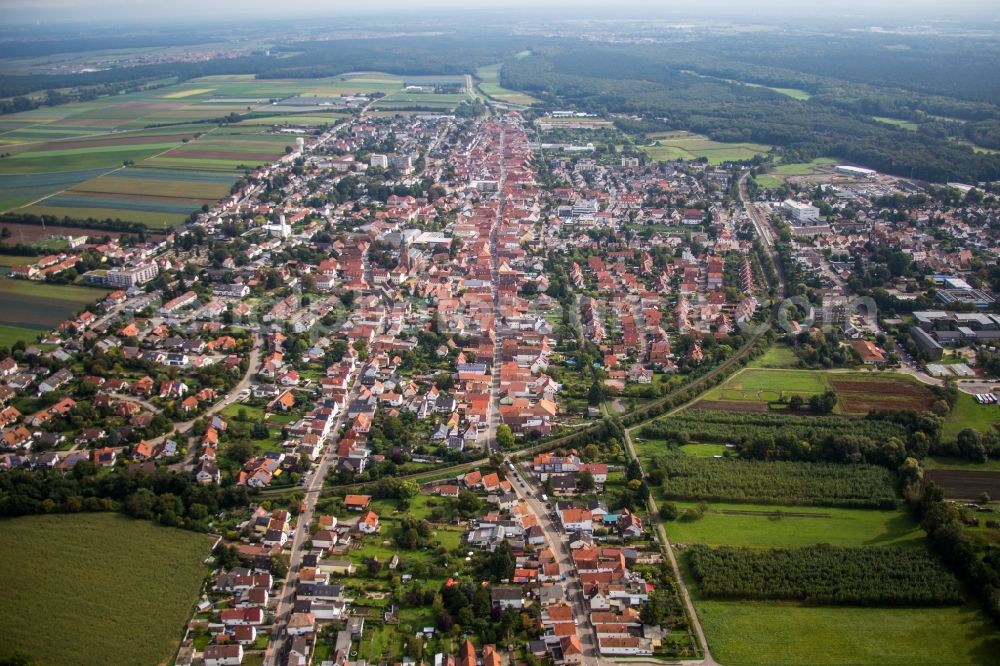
x=692, y=87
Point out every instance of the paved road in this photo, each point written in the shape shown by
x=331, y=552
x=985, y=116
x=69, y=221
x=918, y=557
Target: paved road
x=493, y=414
x=572, y=588
x=181, y=428
x=286, y=596
x=668, y=548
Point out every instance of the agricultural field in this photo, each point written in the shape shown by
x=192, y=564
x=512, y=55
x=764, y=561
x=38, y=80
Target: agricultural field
x=758, y=389
x=39, y=306
x=489, y=85
x=746, y=633
x=37, y=235
x=784, y=526
x=965, y=484
x=68, y=160
x=20, y=189
x=858, y=394
x=791, y=633
x=548, y=123
x=697, y=425
x=12, y=334
x=946, y=462
x=670, y=146
x=778, y=482
x=140, y=584
x=401, y=99
x=826, y=575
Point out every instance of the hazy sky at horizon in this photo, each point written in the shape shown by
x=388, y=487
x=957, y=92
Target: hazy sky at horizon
x=56, y=11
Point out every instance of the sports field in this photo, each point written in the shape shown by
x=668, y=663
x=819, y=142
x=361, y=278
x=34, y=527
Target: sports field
x=100, y=588
x=670, y=146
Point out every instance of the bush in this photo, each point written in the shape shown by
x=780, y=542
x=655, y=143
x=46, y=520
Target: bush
x=669, y=511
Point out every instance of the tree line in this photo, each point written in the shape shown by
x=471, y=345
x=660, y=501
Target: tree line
x=881, y=438
x=170, y=498
x=977, y=566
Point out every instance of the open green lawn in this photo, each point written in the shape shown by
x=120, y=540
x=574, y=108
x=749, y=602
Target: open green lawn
x=7, y=261
x=756, y=526
x=979, y=149
x=672, y=146
x=777, y=356
x=903, y=124
x=776, y=634
x=804, y=168
x=11, y=334
x=769, y=182
x=776, y=177
x=97, y=589
x=794, y=93
x=768, y=385
x=704, y=450
x=968, y=413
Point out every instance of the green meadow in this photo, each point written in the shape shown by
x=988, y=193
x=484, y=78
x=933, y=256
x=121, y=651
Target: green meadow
x=670, y=146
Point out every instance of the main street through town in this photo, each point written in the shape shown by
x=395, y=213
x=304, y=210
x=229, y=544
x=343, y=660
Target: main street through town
x=286, y=594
